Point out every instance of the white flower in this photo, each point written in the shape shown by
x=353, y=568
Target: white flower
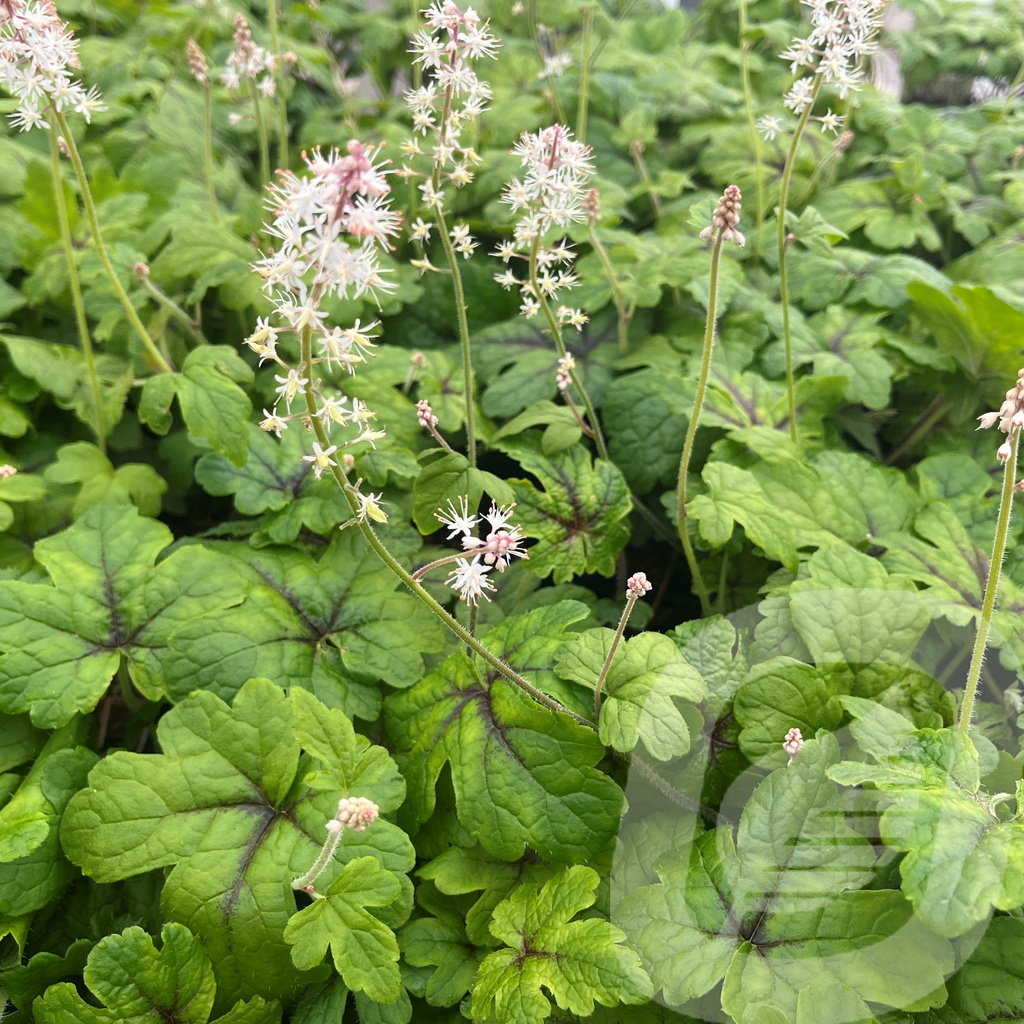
x=470, y=579
x=638, y=585
x=458, y=520
x=273, y=423
x=321, y=458
x=38, y=53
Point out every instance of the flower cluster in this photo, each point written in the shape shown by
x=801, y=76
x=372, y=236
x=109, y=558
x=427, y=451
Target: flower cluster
x=1009, y=417
x=843, y=33
x=638, y=585
x=248, y=62
x=550, y=194
x=726, y=217
x=330, y=226
x=495, y=551
x=37, y=54
x=452, y=96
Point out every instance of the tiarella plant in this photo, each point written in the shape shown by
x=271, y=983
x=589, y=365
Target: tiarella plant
x=445, y=574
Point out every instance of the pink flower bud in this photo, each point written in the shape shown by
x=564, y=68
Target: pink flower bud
x=793, y=743
x=356, y=813
x=638, y=585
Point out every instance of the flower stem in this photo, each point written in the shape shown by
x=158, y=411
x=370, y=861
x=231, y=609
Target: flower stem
x=282, y=109
x=691, y=428
x=787, y=175
x=261, y=135
x=636, y=151
x=211, y=191
x=76, y=292
x=461, y=318
x=599, y=685
x=748, y=104
x=556, y=103
x=101, y=249
x=400, y=571
x=174, y=309
x=582, y=107
x=556, y=332
x=620, y=303
x=324, y=858
x=995, y=568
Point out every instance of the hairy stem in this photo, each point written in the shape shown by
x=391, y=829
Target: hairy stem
x=326, y=855
x=606, y=667
x=556, y=332
x=76, y=292
x=787, y=176
x=691, y=428
x=995, y=568
x=351, y=495
x=101, y=249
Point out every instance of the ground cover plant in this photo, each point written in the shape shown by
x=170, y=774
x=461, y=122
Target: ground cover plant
x=502, y=516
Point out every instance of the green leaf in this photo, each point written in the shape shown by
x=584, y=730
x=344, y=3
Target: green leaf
x=962, y=859
x=990, y=985
x=523, y=775
x=140, y=985
x=851, y=611
x=23, y=983
x=213, y=405
x=645, y=415
x=228, y=808
x=441, y=942
x=63, y=372
x=275, y=480
x=459, y=870
x=973, y=325
x=780, y=695
x=448, y=477
x=579, y=962
x=784, y=506
x=33, y=870
x=953, y=569
x=63, y=650
x=579, y=516
x=210, y=255
x=334, y=626
x=20, y=741
x=646, y=674
x=364, y=951
x=100, y=483
x=779, y=910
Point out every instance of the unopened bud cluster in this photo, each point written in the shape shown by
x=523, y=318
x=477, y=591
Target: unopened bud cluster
x=726, y=217
x=1009, y=418
x=248, y=62
x=638, y=586
x=793, y=743
x=356, y=813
